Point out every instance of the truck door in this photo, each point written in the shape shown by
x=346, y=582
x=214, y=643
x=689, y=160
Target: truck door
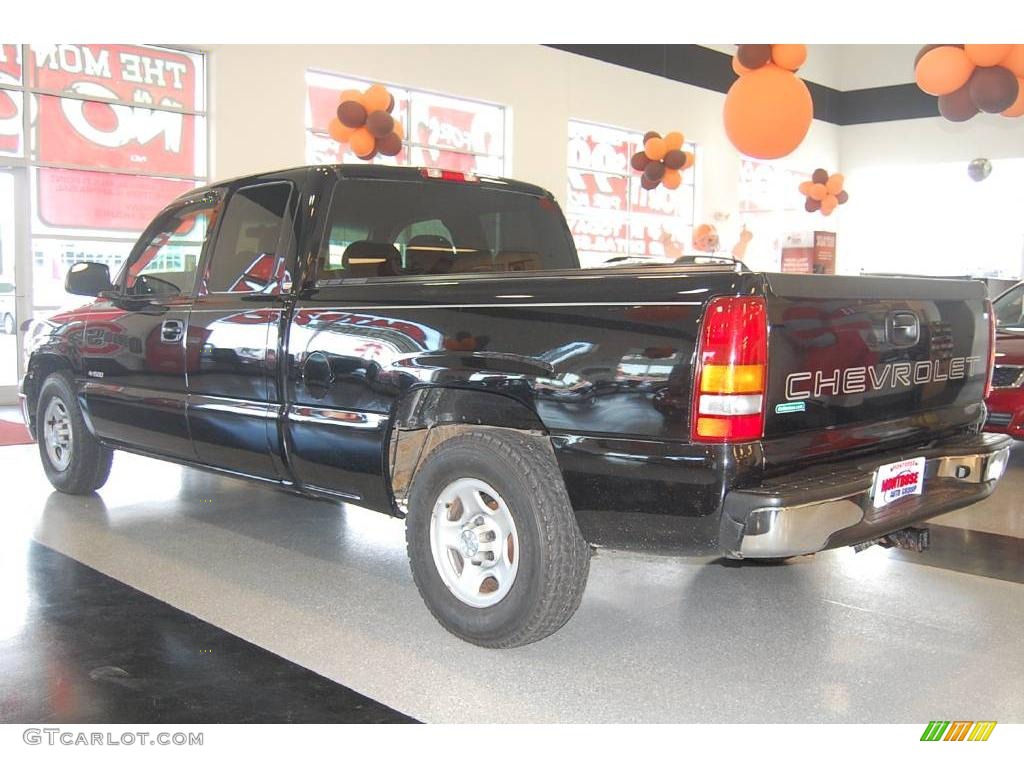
x=233, y=330
x=134, y=356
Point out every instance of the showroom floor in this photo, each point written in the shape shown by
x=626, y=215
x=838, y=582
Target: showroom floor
x=213, y=581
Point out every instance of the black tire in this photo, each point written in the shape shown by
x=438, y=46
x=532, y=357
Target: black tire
x=554, y=559
x=89, y=464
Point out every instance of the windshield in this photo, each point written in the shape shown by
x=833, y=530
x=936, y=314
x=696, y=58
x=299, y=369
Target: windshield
x=1010, y=310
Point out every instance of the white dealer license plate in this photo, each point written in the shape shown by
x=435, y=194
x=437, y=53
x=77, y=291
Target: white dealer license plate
x=897, y=480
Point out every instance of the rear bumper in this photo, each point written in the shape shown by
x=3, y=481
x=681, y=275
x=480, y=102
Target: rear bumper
x=824, y=507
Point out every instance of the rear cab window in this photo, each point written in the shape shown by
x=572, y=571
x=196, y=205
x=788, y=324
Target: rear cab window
x=386, y=229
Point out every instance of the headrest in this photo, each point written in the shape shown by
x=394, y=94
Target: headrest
x=364, y=258
x=429, y=254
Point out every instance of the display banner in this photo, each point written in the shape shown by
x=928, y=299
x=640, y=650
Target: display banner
x=87, y=199
x=139, y=136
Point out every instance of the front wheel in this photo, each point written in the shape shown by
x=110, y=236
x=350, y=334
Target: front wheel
x=493, y=542
x=73, y=459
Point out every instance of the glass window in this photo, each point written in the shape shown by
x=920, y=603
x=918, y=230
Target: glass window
x=116, y=133
x=165, y=263
x=612, y=218
x=249, y=255
x=391, y=228
x=1010, y=308
x=440, y=131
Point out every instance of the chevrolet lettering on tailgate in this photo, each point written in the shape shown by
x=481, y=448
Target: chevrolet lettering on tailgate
x=850, y=381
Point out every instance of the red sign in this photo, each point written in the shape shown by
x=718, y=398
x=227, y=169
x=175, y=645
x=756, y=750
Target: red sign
x=10, y=102
x=70, y=198
x=598, y=192
x=119, y=136
x=10, y=64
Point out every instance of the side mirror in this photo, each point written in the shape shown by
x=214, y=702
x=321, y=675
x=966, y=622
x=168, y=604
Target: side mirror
x=87, y=278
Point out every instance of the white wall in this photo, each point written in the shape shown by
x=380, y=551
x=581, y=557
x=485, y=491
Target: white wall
x=982, y=233
x=258, y=92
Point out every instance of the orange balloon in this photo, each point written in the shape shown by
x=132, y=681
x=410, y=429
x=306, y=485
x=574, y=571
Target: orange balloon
x=790, y=57
x=818, y=191
x=339, y=131
x=987, y=55
x=943, y=70
x=834, y=185
x=690, y=160
x=362, y=142
x=738, y=68
x=805, y=187
x=351, y=94
x=768, y=112
x=672, y=178
x=376, y=98
x=399, y=130
x=655, y=148
x=674, y=140
x=1015, y=60
x=1017, y=108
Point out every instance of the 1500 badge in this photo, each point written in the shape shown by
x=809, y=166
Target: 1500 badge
x=850, y=381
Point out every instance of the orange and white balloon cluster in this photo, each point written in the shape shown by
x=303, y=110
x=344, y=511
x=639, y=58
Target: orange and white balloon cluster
x=768, y=110
x=824, y=192
x=662, y=160
x=969, y=79
x=364, y=122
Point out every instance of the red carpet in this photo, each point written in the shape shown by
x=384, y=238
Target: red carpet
x=14, y=433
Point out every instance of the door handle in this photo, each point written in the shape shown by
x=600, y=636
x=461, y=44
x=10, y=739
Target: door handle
x=171, y=331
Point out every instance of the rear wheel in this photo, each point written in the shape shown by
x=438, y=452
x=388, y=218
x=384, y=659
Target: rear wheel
x=73, y=459
x=493, y=542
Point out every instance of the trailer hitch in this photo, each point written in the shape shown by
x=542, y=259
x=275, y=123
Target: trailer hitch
x=914, y=539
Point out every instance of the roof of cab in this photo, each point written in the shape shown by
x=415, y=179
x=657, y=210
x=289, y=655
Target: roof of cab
x=386, y=172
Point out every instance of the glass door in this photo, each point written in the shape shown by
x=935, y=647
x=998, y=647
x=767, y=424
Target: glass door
x=12, y=289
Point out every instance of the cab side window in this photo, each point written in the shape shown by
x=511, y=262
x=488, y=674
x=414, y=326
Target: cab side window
x=165, y=261
x=253, y=246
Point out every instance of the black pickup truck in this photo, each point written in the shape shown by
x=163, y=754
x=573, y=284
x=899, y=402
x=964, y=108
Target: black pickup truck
x=424, y=343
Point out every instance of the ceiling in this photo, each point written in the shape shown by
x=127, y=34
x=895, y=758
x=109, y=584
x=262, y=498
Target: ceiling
x=853, y=67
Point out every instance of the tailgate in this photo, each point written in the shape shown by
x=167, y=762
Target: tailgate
x=870, y=362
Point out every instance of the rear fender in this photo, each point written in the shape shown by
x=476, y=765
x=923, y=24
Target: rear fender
x=427, y=416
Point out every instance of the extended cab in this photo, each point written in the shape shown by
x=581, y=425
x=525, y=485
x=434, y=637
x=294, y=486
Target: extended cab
x=423, y=343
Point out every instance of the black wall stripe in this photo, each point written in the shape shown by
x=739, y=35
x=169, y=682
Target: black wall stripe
x=706, y=68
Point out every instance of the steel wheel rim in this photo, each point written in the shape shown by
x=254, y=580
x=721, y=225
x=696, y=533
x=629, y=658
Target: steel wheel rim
x=57, y=434
x=474, y=542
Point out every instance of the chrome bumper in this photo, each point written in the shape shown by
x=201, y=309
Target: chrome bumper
x=827, y=507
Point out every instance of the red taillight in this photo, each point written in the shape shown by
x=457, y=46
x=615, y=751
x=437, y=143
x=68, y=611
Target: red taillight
x=732, y=371
x=442, y=175
x=991, y=346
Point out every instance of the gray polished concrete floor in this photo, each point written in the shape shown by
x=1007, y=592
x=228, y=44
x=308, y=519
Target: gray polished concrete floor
x=839, y=637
